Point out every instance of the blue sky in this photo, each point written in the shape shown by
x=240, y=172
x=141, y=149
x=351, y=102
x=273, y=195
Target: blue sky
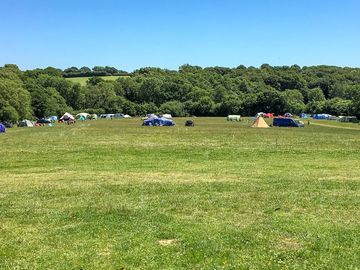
x=130, y=34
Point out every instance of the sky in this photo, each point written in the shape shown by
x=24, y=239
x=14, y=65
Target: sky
x=130, y=34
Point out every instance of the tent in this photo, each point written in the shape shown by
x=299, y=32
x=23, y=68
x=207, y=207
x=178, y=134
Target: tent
x=2, y=128
x=94, y=116
x=167, y=115
x=156, y=121
x=260, y=123
x=67, y=116
x=321, y=116
x=25, y=123
x=234, y=117
x=84, y=115
x=53, y=118
x=127, y=116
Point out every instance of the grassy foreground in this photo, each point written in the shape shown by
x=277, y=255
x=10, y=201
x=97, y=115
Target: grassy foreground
x=111, y=194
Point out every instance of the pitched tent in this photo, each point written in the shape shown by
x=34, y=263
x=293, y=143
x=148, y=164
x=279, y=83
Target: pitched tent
x=25, y=123
x=53, y=118
x=67, y=116
x=94, y=116
x=84, y=115
x=167, y=115
x=234, y=117
x=2, y=128
x=260, y=123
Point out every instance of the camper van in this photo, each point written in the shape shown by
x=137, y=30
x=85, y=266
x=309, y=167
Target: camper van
x=287, y=122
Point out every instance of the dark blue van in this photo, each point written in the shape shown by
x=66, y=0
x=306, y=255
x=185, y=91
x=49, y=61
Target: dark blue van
x=287, y=122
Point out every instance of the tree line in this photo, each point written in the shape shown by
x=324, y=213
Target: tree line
x=190, y=90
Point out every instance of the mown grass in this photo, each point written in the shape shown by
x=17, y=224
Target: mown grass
x=102, y=194
x=83, y=80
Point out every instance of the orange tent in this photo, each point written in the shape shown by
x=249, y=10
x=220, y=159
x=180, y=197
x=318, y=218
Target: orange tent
x=260, y=123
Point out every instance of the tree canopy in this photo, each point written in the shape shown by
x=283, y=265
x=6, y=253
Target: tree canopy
x=192, y=90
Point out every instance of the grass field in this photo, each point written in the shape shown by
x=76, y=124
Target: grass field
x=83, y=80
x=111, y=194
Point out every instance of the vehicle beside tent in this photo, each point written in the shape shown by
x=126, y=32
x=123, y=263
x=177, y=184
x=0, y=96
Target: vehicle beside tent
x=107, y=116
x=260, y=123
x=43, y=121
x=233, y=117
x=347, y=119
x=25, y=123
x=287, y=122
x=158, y=121
x=2, y=128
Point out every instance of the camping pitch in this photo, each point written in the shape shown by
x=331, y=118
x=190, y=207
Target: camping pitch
x=260, y=123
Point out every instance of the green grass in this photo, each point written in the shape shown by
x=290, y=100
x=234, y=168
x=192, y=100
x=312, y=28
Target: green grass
x=102, y=194
x=83, y=80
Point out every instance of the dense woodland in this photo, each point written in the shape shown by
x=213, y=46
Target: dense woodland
x=192, y=90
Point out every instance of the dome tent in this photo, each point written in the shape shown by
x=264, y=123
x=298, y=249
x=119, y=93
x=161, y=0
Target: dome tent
x=25, y=123
x=2, y=128
x=84, y=115
x=67, y=116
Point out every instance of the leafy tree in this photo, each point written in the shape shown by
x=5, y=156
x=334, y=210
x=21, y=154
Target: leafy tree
x=175, y=108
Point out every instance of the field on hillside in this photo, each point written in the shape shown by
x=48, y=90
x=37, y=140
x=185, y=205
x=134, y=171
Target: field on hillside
x=111, y=194
x=83, y=80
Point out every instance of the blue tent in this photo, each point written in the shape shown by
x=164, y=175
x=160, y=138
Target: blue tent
x=321, y=116
x=53, y=118
x=2, y=128
x=156, y=121
x=304, y=115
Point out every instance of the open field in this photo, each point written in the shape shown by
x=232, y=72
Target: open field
x=109, y=194
x=83, y=80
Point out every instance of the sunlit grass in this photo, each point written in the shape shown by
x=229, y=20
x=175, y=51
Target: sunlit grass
x=108, y=194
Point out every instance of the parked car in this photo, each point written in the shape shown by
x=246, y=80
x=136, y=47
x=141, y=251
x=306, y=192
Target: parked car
x=287, y=122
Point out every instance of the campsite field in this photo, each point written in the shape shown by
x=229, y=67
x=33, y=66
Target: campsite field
x=83, y=80
x=111, y=194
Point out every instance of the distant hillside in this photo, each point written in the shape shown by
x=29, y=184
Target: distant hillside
x=83, y=80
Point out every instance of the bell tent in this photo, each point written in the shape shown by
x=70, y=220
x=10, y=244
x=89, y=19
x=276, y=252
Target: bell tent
x=260, y=123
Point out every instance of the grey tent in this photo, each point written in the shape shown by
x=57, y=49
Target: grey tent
x=25, y=123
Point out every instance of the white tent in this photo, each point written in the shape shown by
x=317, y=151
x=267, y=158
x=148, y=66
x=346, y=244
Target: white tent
x=234, y=117
x=127, y=116
x=25, y=123
x=67, y=116
x=166, y=115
